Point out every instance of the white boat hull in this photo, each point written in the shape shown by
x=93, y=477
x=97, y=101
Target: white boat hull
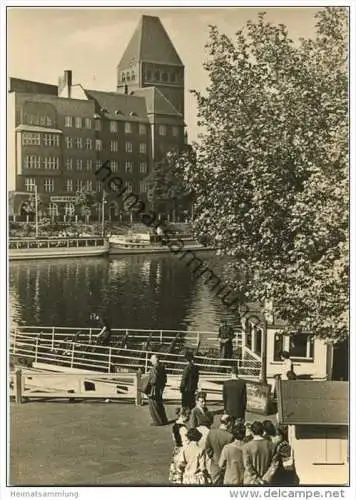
x=118, y=249
x=56, y=253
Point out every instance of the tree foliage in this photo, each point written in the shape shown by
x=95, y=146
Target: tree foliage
x=271, y=172
x=85, y=202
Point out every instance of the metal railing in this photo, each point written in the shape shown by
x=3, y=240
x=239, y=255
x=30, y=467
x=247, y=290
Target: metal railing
x=22, y=244
x=51, y=349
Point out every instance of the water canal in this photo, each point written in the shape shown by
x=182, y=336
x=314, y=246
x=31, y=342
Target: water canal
x=137, y=291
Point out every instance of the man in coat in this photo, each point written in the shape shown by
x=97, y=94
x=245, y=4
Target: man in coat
x=214, y=444
x=234, y=396
x=189, y=382
x=226, y=336
x=257, y=457
x=156, y=383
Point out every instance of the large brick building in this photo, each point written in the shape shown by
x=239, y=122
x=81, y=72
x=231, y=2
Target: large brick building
x=59, y=135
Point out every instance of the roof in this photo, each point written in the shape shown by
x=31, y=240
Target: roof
x=311, y=402
x=30, y=87
x=156, y=102
x=35, y=128
x=120, y=106
x=150, y=43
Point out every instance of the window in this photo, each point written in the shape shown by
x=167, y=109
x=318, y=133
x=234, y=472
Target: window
x=128, y=128
x=69, y=164
x=87, y=122
x=79, y=164
x=89, y=185
x=142, y=130
x=114, y=146
x=98, y=187
x=113, y=165
x=249, y=335
x=30, y=184
x=88, y=144
x=78, y=122
x=143, y=167
x=32, y=161
x=49, y=185
x=165, y=77
x=51, y=140
x=68, y=121
x=128, y=147
x=30, y=139
x=80, y=185
x=42, y=120
x=79, y=142
x=97, y=124
x=143, y=148
x=175, y=131
x=48, y=121
x=53, y=210
x=258, y=341
x=300, y=346
x=69, y=209
x=68, y=142
x=128, y=167
x=98, y=164
x=89, y=165
x=50, y=163
x=128, y=186
x=98, y=145
x=69, y=185
x=162, y=130
x=143, y=187
x=113, y=126
x=149, y=75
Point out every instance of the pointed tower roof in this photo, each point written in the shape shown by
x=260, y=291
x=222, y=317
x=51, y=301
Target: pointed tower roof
x=150, y=43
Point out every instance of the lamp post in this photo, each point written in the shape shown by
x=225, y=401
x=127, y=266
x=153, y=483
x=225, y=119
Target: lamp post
x=36, y=211
x=103, y=214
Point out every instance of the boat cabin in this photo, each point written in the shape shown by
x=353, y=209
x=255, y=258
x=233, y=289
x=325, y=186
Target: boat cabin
x=316, y=413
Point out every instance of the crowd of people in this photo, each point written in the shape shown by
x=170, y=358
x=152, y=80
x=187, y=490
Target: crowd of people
x=233, y=453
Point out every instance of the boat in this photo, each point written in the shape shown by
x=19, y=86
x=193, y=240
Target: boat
x=142, y=244
x=47, y=248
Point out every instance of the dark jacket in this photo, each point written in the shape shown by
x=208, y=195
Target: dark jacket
x=235, y=398
x=190, y=378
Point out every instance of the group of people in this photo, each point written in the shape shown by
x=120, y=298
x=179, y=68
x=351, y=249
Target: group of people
x=235, y=452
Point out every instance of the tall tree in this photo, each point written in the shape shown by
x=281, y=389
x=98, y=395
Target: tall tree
x=271, y=172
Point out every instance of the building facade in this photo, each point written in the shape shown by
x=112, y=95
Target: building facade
x=58, y=136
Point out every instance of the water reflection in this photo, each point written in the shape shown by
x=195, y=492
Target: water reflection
x=158, y=292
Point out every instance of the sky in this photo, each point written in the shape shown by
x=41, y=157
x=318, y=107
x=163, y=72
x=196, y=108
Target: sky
x=43, y=42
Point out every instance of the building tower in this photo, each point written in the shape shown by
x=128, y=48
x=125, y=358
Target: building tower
x=150, y=60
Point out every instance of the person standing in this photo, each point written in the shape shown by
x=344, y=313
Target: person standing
x=157, y=380
x=215, y=442
x=257, y=457
x=226, y=336
x=189, y=382
x=104, y=335
x=179, y=434
x=191, y=460
x=287, y=367
x=235, y=396
x=231, y=458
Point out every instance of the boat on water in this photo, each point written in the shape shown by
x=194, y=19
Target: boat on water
x=142, y=244
x=47, y=248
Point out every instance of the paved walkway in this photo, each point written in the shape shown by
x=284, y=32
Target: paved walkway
x=89, y=443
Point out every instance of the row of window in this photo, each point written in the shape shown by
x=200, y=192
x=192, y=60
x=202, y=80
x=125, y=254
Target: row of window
x=39, y=120
x=157, y=76
x=47, y=162
x=52, y=163
x=78, y=122
x=114, y=165
x=142, y=129
x=79, y=143
x=34, y=139
x=79, y=185
x=87, y=185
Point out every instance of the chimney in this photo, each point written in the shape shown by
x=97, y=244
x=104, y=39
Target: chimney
x=65, y=84
x=68, y=82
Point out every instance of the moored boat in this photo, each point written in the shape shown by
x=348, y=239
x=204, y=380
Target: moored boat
x=46, y=248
